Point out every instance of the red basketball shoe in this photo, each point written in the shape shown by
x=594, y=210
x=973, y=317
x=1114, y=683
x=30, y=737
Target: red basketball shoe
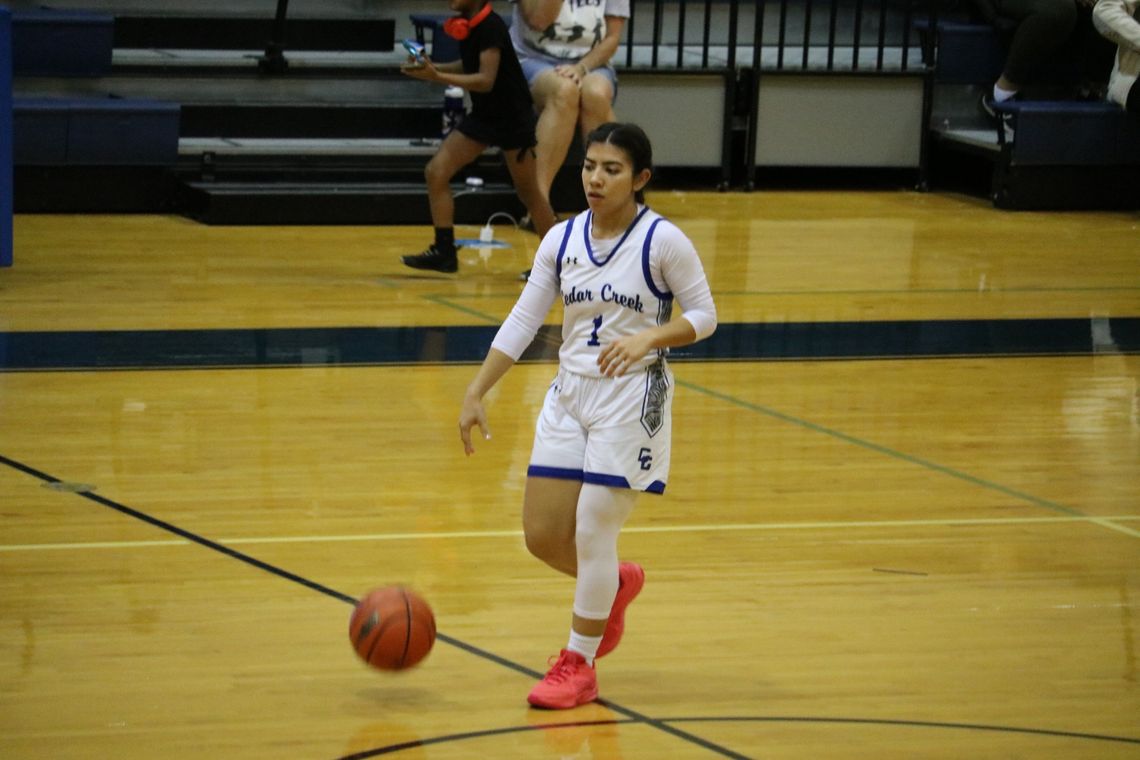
x=630, y=580
x=569, y=683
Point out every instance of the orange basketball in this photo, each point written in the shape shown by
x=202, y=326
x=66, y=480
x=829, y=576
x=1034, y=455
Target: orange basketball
x=392, y=628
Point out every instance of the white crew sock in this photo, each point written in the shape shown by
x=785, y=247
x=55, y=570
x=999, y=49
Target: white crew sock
x=1001, y=95
x=587, y=646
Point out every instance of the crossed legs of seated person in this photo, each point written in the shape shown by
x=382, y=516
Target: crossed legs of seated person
x=1042, y=28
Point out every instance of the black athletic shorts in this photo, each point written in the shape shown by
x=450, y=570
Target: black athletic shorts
x=509, y=136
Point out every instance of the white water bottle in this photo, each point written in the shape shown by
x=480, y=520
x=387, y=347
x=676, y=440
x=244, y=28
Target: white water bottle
x=453, y=109
x=487, y=236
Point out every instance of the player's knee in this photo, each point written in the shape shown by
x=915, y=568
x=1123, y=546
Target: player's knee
x=547, y=540
x=535, y=544
x=542, y=545
x=592, y=542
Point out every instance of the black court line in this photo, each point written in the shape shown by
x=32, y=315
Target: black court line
x=183, y=533
x=285, y=574
x=394, y=748
x=126, y=350
x=911, y=724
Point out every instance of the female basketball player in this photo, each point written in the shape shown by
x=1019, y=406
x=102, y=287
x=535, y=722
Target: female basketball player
x=603, y=434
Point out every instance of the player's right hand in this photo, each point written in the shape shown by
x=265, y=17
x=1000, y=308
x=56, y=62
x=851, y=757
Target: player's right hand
x=470, y=415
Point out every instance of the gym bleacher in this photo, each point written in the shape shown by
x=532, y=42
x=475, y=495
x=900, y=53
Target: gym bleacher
x=1050, y=152
x=238, y=113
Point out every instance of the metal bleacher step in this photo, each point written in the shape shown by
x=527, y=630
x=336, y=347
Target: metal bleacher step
x=328, y=181
x=239, y=103
x=254, y=146
x=237, y=31
x=301, y=62
x=983, y=141
x=316, y=160
x=340, y=202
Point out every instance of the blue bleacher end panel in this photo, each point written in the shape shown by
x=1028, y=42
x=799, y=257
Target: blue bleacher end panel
x=969, y=53
x=95, y=132
x=1072, y=133
x=5, y=137
x=1046, y=133
x=62, y=43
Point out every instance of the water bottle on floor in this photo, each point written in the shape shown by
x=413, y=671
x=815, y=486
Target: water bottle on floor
x=453, y=109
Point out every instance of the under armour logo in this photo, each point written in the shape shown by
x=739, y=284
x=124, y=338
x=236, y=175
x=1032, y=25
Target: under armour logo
x=570, y=261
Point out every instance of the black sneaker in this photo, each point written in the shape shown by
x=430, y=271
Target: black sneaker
x=433, y=259
x=524, y=276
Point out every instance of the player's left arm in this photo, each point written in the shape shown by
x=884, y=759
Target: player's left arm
x=685, y=277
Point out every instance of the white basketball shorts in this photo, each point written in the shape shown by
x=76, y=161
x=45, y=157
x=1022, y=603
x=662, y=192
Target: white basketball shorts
x=607, y=431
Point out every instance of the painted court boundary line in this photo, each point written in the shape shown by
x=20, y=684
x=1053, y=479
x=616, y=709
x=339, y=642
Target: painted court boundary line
x=327, y=591
x=478, y=534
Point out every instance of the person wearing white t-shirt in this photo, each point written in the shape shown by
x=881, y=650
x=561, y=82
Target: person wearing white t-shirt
x=604, y=432
x=565, y=47
x=1119, y=21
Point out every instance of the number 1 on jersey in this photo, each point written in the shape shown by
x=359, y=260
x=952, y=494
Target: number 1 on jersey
x=593, y=341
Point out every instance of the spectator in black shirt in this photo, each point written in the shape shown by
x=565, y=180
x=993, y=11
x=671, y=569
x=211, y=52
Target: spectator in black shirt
x=502, y=114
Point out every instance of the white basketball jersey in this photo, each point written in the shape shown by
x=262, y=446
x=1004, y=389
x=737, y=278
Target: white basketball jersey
x=613, y=292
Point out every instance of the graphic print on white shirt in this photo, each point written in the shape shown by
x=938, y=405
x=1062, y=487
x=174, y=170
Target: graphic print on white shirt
x=581, y=24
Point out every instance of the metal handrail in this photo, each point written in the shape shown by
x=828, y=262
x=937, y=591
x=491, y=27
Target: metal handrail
x=273, y=61
x=827, y=35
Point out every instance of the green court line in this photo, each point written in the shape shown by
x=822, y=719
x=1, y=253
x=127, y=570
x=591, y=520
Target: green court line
x=885, y=450
x=388, y=282
x=470, y=312
x=893, y=453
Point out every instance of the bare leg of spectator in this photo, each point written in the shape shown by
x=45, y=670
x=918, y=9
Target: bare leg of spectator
x=557, y=100
x=597, y=103
x=521, y=164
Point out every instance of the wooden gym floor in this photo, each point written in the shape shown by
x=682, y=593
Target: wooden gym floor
x=903, y=519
